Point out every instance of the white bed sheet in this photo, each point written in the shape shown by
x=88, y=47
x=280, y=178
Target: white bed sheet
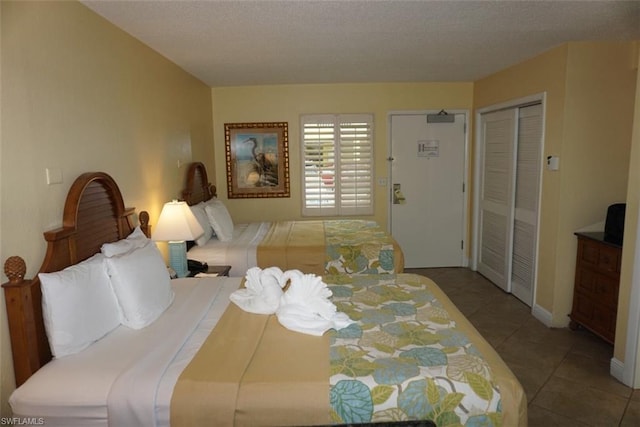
x=239, y=253
x=74, y=390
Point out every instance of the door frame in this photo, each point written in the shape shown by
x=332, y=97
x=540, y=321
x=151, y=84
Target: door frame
x=477, y=174
x=466, y=200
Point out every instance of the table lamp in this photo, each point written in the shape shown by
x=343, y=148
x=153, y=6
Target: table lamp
x=176, y=225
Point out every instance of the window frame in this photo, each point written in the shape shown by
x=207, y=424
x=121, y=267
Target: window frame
x=350, y=197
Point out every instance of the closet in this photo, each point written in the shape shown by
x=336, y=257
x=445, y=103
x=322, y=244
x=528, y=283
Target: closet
x=510, y=163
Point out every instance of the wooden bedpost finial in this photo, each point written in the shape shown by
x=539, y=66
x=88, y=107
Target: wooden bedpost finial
x=15, y=268
x=143, y=217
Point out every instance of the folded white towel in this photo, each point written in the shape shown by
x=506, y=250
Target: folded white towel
x=298, y=318
x=263, y=290
x=306, y=308
x=310, y=291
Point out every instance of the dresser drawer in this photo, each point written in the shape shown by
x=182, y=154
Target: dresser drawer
x=609, y=259
x=597, y=286
x=599, y=256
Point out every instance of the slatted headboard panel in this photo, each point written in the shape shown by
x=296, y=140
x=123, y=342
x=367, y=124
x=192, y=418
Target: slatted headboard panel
x=198, y=189
x=94, y=214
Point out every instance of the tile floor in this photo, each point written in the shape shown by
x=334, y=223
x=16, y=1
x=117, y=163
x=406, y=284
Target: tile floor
x=565, y=373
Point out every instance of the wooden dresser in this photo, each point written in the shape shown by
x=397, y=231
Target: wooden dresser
x=595, y=294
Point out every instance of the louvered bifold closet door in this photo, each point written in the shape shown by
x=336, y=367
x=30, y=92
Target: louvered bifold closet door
x=497, y=196
x=528, y=167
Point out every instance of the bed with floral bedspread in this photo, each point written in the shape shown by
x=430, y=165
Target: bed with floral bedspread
x=411, y=355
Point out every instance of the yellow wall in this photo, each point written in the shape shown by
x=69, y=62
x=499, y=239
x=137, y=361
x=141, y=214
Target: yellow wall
x=287, y=103
x=598, y=128
x=80, y=95
x=590, y=91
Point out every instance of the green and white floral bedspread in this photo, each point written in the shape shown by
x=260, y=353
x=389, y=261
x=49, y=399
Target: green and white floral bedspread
x=357, y=246
x=404, y=358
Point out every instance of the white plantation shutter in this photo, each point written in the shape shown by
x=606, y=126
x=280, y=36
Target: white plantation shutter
x=337, y=164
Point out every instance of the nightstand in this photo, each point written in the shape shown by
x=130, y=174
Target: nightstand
x=220, y=270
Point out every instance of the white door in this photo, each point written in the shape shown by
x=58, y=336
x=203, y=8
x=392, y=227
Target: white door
x=496, y=196
x=510, y=164
x=427, y=185
x=525, y=227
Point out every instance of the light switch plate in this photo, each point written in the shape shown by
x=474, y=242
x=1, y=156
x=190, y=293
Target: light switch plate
x=54, y=176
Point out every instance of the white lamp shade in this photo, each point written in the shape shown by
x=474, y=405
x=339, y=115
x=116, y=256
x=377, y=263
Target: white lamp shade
x=177, y=223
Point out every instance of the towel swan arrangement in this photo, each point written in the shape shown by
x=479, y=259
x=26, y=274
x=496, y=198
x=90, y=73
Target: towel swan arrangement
x=304, y=306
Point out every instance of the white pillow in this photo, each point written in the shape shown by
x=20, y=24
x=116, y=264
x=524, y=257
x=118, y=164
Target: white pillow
x=142, y=285
x=78, y=306
x=133, y=241
x=219, y=219
x=200, y=214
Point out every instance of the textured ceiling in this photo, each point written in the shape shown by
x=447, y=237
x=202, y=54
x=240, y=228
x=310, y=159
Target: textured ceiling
x=229, y=43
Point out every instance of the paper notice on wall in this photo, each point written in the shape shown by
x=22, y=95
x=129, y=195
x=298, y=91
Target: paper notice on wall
x=429, y=148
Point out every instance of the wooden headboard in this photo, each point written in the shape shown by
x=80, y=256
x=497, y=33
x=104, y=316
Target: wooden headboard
x=94, y=214
x=198, y=188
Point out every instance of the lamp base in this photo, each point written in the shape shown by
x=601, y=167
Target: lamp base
x=178, y=257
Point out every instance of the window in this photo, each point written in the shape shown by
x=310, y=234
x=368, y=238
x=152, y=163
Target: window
x=337, y=159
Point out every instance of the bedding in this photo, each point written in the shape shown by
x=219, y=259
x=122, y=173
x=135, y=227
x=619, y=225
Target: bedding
x=87, y=384
x=67, y=298
x=312, y=246
x=141, y=284
x=410, y=354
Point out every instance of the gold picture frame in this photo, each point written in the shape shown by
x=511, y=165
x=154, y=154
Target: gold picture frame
x=257, y=157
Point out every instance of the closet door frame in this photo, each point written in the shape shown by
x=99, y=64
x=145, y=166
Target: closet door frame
x=478, y=170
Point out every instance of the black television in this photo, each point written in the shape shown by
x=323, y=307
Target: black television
x=614, y=224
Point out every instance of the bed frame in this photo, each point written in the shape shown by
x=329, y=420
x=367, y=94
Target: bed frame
x=198, y=188
x=94, y=214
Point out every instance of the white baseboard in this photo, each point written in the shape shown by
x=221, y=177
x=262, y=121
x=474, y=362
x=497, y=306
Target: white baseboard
x=542, y=315
x=616, y=369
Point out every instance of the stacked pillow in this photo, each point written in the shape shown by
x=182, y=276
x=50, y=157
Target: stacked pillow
x=214, y=218
x=201, y=216
x=127, y=283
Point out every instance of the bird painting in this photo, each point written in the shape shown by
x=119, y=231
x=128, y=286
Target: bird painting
x=263, y=168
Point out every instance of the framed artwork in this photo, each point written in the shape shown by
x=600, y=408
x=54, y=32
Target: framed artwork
x=257, y=157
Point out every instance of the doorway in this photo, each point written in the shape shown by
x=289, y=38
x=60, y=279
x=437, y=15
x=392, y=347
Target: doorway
x=427, y=184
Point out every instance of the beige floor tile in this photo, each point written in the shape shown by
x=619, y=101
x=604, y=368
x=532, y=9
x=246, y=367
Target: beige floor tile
x=590, y=372
x=532, y=363
x=584, y=404
x=592, y=346
x=631, y=416
x=540, y=417
x=534, y=331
